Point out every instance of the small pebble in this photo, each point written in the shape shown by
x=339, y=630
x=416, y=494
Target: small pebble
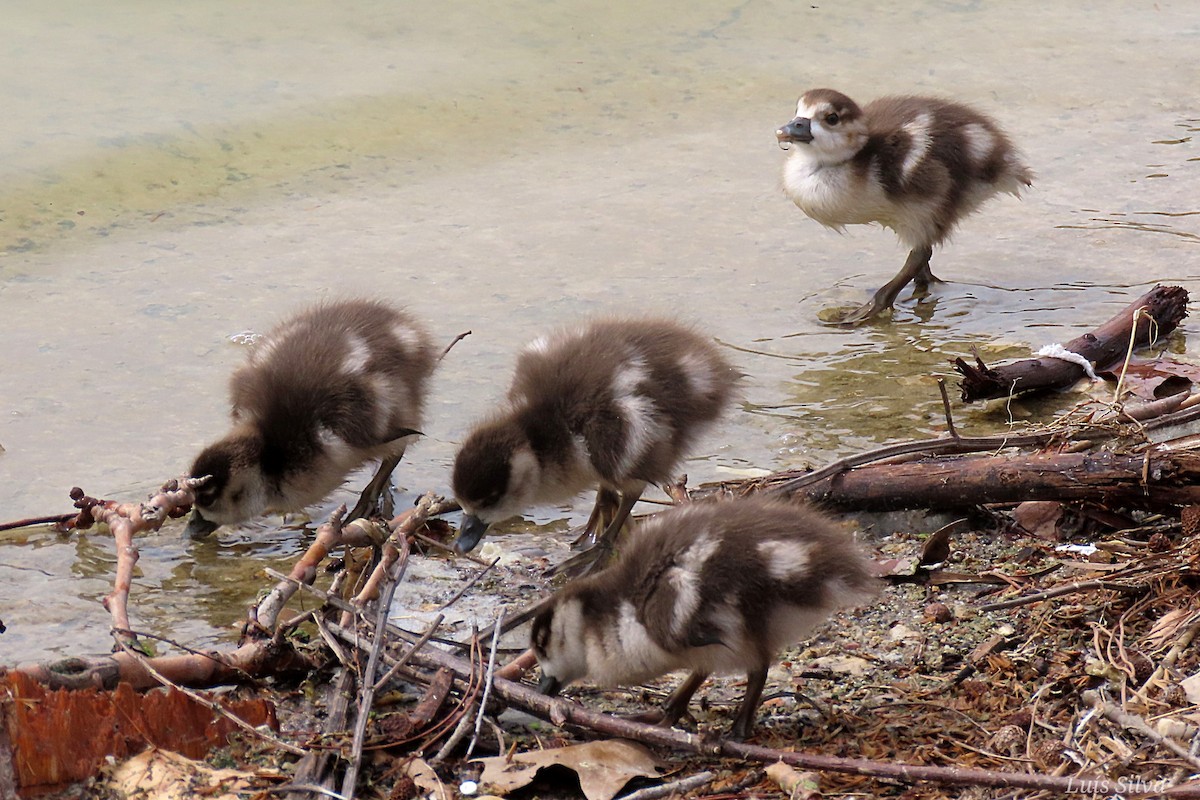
x=938, y=612
x=467, y=788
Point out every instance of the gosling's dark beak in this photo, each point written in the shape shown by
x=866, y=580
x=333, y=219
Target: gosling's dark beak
x=798, y=130
x=469, y=533
x=549, y=686
x=198, y=527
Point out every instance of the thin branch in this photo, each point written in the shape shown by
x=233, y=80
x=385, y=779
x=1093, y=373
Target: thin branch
x=368, y=685
x=457, y=339
x=946, y=408
x=1133, y=722
x=1057, y=591
x=487, y=689
x=469, y=584
x=679, y=787
x=53, y=519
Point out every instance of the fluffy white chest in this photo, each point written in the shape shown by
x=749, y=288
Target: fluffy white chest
x=833, y=195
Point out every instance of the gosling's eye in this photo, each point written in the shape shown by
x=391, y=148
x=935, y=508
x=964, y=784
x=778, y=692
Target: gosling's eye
x=831, y=119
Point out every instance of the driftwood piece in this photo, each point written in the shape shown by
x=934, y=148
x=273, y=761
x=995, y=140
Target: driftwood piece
x=198, y=670
x=1161, y=309
x=1152, y=480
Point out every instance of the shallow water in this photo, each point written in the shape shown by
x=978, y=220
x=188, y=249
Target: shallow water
x=172, y=176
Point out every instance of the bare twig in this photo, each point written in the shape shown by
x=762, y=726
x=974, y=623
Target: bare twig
x=679, y=787
x=1057, y=591
x=313, y=773
x=467, y=586
x=1133, y=722
x=404, y=659
x=53, y=519
x=450, y=346
x=368, y=684
x=487, y=688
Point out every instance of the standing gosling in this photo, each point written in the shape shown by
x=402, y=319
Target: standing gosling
x=917, y=165
x=707, y=587
x=322, y=393
x=617, y=403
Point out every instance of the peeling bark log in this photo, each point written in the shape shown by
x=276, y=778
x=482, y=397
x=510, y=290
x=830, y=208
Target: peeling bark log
x=1163, y=307
x=1147, y=480
x=61, y=736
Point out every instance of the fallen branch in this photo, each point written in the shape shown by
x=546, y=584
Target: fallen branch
x=1058, y=591
x=1149, y=319
x=1151, y=480
x=197, y=670
x=560, y=712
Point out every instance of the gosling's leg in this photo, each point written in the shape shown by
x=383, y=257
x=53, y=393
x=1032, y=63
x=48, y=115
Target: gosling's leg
x=924, y=277
x=755, y=681
x=376, y=496
x=606, y=505
x=598, y=555
x=916, y=268
x=677, y=704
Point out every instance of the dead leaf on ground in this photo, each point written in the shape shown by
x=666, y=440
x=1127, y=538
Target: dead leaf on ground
x=427, y=781
x=937, y=547
x=798, y=785
x=1167, y=628
x=1039, y=518
x=162, y=775
x=603, y=767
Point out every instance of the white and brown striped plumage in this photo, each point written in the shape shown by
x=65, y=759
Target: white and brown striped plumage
x=917, y=165
x=325, y=391
x=615, y=403
x=705, y=587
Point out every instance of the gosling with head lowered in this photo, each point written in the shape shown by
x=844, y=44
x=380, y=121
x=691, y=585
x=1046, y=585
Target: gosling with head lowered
x=705, y=587
x=917, y=165
x=615, y=403
x=321, y=394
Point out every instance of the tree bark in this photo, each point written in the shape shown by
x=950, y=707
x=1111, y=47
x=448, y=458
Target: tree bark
x=1163, y=307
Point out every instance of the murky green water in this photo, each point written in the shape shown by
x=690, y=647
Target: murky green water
x=173, y=175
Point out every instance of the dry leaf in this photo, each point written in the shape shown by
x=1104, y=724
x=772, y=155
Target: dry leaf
x=1191, y=688
x=937, y=547
x=798, y=785
x=1154, y=379
x=1039, y=518
x=427, y=780
x=1166, y=629
x=162, y=775
x=603, y=767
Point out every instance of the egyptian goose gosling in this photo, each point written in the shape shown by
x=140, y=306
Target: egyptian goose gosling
x=615, y=403
x=707, y=587
x=322, y=393
x=917, y=165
